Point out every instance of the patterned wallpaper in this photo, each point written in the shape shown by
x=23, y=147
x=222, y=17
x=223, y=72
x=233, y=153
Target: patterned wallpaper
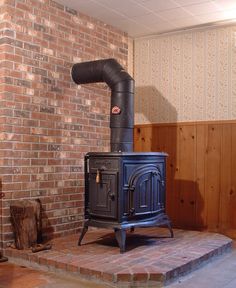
x=187, y=76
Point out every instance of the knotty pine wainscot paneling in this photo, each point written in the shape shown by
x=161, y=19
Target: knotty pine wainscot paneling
x=201, y=169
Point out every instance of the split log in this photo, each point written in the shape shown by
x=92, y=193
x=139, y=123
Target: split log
x=26, y=222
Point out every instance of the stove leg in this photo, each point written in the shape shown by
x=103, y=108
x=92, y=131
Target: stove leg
x=167, y=221
x=120, y=237
x=85, y=229
x=171, y=231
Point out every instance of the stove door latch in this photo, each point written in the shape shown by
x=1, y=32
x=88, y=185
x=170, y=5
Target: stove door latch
x=111, y=195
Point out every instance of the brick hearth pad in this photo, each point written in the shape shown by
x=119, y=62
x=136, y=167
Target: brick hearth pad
x=151, y=259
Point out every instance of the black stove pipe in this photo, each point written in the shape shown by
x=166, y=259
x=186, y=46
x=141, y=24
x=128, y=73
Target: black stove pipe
x=122, y=97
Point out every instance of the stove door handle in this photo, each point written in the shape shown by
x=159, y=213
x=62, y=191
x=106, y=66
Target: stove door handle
x=131, y=200
x=111, y=195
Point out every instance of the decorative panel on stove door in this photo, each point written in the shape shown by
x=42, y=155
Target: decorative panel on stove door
x=103, y=194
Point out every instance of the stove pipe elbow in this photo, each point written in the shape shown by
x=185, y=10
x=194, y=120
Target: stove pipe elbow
x=122, y=97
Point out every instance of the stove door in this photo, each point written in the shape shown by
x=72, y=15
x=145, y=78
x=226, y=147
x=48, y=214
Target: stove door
x=103, y=193
x=146, y=193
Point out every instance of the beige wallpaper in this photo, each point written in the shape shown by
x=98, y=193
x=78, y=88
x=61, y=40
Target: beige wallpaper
x=187, y=76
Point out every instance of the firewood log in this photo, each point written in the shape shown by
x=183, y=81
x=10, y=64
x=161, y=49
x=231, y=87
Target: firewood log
x=26, y=222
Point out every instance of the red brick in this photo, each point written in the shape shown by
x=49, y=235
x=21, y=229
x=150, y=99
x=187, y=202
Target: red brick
x=141, y=275
x=124, y=276
x=21, y=194
x=72, y=268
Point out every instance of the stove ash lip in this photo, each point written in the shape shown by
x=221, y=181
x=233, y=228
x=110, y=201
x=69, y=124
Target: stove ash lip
x=122, y=97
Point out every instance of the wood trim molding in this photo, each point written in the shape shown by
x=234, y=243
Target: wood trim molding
x=215, y=122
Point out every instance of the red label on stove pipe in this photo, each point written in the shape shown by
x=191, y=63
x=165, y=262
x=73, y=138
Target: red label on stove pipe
x=115, y=110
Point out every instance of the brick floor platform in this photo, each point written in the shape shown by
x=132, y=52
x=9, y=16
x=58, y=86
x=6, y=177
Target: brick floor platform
x=152, y=258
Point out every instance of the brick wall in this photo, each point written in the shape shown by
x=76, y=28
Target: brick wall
x=47, y=122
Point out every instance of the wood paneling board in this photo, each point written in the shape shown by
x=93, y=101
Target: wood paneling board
x=143, y=138
x=232, y=203
x=165, y=137
x=185, y=175
x=201, y=216
x=137, y=132
x=201, y=169
x=212, y=175
x=172, y=196
x=225, y=180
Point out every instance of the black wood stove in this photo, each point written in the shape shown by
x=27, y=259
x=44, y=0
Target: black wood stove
x=123, y=189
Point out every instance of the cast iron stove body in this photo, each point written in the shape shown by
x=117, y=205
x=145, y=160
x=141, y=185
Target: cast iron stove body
x=123, y=189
